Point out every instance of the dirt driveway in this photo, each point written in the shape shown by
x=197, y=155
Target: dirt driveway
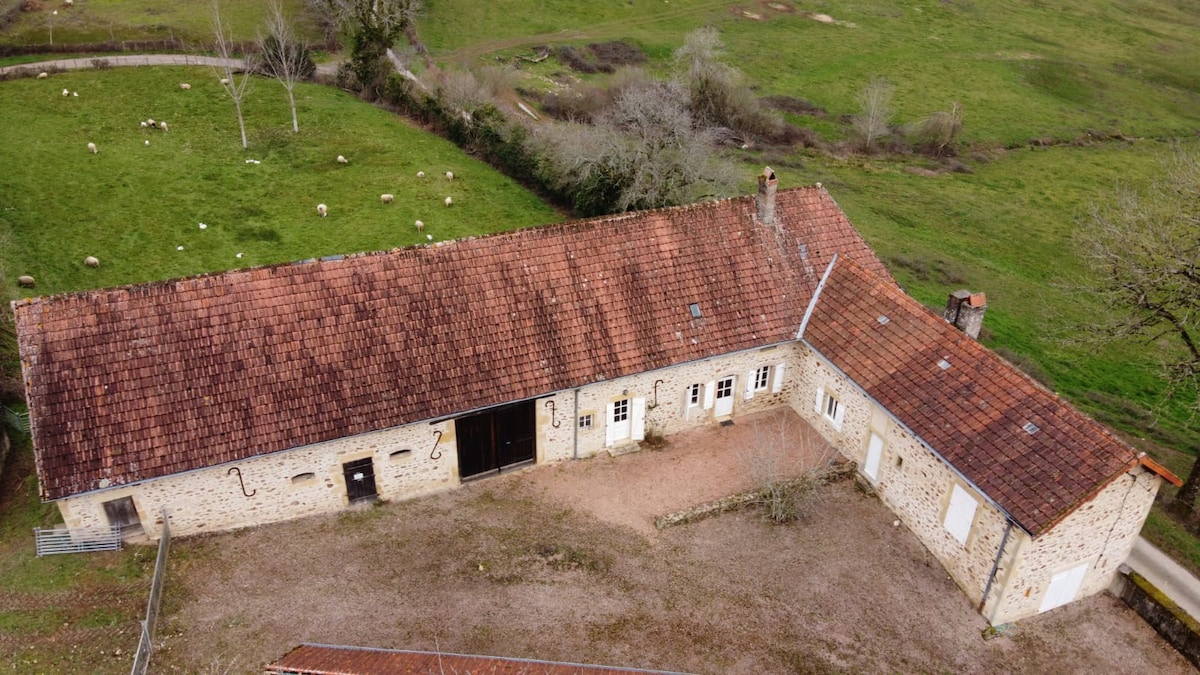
x=563, y=563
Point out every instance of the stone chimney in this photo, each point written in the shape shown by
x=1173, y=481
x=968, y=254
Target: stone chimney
x=767, y=184
x=965, y=310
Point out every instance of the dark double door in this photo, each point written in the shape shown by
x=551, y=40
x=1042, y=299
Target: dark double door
x=496, y=439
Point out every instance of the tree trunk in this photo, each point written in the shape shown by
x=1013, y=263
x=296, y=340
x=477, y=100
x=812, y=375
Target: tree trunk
x=295, y=122
x=241, y=124
x=1184, y=504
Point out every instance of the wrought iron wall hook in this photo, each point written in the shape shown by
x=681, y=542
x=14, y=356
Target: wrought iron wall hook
x=553, y=421
x=241, y=482
x=434, y=453
x=655, y=403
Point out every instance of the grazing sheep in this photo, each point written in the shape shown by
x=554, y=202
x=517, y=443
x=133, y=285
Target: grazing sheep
x=449, y=201
x=66, y=92
x=25, y=280
x=322, y=210
x=92, y=148
x=43, y=75
x=420, y=226
x=420, y=174
x=162, y=125
x=184, y=86
x=224, y=81
x=449, y=175
x=91, y=261
x=74, y=93
x=342, y=160
x=386, y=198
x=152, y=123
x=147, y=144
x=144, y=125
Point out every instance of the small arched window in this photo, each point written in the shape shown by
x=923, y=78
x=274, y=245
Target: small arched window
x=401, y=454
x=303, y=477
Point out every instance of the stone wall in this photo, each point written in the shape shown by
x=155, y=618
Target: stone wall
x=1171, y=621
x=405, y=459
x=1099, y=533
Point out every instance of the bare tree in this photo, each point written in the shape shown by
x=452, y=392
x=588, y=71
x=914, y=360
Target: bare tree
x=786, y=460
x=875, y=111
x=938, y=132
x=233, y=85
x=373, y=27
x=1144, y=247
x=284, y=56
x=717, y=92
x=645, y=152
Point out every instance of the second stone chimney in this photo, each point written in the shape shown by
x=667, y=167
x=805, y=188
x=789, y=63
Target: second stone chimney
x=767, y=184
x=965, y=310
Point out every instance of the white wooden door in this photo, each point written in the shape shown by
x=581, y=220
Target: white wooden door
x=618, y=422
x=724, y=404
x=1063, y=587
x=874, y=454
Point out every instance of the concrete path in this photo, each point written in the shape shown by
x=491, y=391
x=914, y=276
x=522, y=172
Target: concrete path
x=144, y=60
x=1167, y=575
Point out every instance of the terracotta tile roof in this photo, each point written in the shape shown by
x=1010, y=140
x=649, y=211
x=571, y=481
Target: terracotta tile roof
x=1032, y=453
x=330, y=660
x=138, y=382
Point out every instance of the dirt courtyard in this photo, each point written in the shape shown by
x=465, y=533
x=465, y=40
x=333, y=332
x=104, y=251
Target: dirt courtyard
x=563, y=563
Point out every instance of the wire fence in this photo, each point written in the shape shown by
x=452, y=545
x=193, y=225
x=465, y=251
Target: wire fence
x=141, y=660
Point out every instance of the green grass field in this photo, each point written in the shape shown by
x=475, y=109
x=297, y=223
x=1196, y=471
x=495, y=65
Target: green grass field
x=91, y=21
x=132, y=205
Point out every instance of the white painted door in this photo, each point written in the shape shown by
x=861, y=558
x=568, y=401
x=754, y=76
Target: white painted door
x=724, y=404
x=1063, y=587
x=618, y=422
x=874, y=454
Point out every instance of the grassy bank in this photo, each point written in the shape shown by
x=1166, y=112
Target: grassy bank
x=133, y=205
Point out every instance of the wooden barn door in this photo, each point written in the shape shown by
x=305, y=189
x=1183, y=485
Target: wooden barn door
x=496, y=439
x=360, y=480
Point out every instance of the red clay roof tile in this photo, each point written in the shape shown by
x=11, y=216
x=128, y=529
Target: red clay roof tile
x=973, y=413
x=138, y=382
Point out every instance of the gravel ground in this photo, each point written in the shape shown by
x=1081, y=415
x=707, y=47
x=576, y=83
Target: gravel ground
x=563, y=563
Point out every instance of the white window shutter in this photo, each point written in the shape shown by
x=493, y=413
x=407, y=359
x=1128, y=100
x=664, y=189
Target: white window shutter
x=750, y=377
x=820, y=401
x=637, y=419
x=777, y=385
x=710, y=391
x=609, y=412
x=839, y=416
x=960, y=514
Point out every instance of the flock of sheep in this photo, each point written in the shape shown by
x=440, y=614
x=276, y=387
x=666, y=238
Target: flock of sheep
x=322, y=209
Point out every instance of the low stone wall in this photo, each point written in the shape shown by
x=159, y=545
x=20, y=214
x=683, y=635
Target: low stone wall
x=1171, y=621
x=835, y=472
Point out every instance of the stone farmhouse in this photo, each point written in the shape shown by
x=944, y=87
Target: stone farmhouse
x=260, y=395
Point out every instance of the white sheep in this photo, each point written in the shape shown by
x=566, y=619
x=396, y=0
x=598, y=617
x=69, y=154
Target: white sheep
x=322, y=210
x=342, y=160
x=420, y=174
x=162, y=125
x=147, y=144
x=92, y=148
x=420, y=226
x=449, y=201
x=152, y=123
x=386, y=198
x=449, y=175
x=66, y=92
x=25, y=280
x=144, y=125
x=74, y=93
x=91, y=261
x=224, y=81
x=43, y=75
x=184, y=86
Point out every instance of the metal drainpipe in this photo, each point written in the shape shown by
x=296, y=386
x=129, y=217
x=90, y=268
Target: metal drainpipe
x=575, y=426
x=995, y=566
